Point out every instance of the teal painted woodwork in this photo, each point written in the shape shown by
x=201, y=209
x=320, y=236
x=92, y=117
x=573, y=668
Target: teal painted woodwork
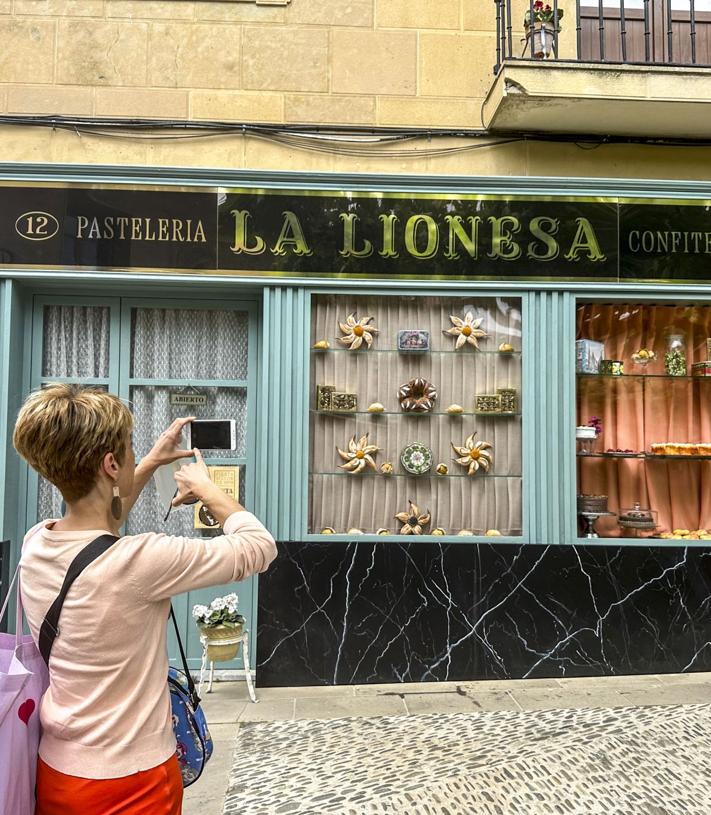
x=120, y=381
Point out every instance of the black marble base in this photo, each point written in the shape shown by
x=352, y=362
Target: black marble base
x=334, y=613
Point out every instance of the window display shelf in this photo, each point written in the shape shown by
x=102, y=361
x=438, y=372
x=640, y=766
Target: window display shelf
x=644, y=456
x=585, y=377
x=375, y=414
x=417, y=354
x=424, y=477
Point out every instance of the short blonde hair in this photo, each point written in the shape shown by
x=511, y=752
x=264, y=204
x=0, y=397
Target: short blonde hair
x=64, y=431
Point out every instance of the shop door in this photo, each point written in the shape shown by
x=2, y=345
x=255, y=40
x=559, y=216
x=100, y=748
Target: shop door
x=148, y=352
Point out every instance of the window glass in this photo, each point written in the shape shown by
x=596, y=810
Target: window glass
x=413, y=394
x=189, y=344
x=75, y=341
x=643, y=420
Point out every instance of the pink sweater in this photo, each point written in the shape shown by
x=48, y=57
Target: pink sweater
x=107, y=711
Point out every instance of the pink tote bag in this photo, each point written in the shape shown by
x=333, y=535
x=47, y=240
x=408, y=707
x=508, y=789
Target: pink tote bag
x=23, y=680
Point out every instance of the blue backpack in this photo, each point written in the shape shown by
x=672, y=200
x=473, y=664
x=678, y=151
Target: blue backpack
x=193, y=741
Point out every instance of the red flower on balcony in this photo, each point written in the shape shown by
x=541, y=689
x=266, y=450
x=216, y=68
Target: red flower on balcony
x=543, y=13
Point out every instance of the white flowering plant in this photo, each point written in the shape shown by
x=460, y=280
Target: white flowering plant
x=221, y=611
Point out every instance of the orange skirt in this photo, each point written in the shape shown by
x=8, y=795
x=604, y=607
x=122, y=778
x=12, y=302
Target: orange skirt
x=158, y=791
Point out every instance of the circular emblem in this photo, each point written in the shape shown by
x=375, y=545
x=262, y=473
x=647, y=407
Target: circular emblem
x=37, y=226
x=416, y=458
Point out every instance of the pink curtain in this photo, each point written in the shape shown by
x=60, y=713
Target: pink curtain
x=638, y=412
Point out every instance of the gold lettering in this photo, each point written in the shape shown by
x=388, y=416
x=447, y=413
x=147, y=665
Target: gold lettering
x=543, y=229
x=388, y=221
x=150, y=235
x=123, y=223
x=634, y=234
x=108, y=228
x=585, y=240
x=349, y=250
x=199, y=233
x=469, y=241
x=163, y=229
x=177, y=230
x=240, y=245
x=135, y=229
x=291, y=235
x=411, y=230
x=707, y=235
x=502, y=244
x=82, y=223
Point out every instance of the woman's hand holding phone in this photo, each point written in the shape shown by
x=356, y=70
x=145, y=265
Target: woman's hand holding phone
x=166, y=449
x=194, y=483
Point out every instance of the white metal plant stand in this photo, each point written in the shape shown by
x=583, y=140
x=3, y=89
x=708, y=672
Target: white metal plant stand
x=243, y=638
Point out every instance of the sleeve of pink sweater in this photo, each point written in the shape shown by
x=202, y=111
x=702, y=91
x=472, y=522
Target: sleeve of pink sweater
x=163, y=566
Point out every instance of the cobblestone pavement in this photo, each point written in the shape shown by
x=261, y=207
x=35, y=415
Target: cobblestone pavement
x=651, y=760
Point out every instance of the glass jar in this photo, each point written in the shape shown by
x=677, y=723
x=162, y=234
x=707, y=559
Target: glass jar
x=675, y=355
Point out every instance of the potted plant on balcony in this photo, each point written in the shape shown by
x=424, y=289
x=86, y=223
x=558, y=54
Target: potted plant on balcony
x=542, y=23
x=221, y=626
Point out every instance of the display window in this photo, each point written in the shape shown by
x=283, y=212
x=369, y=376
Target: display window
x=415, y=416
x=643, y=434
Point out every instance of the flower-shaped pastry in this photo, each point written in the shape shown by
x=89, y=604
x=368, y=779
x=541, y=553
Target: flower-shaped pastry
x=359, y=455
x=474, y=455
x=356, y=332
x=413, y=520
x=466, y=331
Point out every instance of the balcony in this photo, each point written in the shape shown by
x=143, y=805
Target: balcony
x=609, y=67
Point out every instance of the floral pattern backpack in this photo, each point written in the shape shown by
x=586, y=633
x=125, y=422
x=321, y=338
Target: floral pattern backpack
x=192, y=737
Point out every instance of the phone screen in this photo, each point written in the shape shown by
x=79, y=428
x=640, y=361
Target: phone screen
x=211, y=434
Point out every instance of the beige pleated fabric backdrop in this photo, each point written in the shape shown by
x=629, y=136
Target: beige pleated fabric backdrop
x=456, y=501
x=639, y=412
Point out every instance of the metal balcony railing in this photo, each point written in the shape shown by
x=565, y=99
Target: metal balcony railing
x=639, y=32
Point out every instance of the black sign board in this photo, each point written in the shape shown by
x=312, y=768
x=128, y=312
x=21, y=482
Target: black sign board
x=353, y=234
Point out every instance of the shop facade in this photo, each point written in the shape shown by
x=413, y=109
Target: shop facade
x=412, y=363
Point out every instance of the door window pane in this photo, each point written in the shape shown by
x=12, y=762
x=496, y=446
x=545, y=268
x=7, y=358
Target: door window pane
x=189, y=344
x=75, y=341
x=153, y=413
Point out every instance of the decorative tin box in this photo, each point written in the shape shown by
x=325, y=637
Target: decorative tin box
x=413, y=340
x=488, y=403
x=344, y=402
x=323, y=396
x=588, y=354
x=508, y=399
x=701, y=368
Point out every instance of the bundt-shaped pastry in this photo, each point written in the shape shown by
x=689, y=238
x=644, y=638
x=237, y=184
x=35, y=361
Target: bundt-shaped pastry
x=417, y=396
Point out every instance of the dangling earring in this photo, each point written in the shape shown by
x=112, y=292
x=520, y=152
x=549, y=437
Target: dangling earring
x=116, y=504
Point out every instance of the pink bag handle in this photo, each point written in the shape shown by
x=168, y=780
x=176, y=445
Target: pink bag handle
x=18, y=606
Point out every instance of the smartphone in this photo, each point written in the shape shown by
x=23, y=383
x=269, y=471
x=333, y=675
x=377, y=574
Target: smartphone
x=212, y=434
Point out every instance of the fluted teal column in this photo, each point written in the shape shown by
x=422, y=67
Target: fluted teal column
x=549, y=416
x=282, y=432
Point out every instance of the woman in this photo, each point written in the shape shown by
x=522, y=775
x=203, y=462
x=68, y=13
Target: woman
x=107, y=745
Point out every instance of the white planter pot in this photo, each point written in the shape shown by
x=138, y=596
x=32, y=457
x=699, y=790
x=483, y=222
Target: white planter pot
x=542, y=37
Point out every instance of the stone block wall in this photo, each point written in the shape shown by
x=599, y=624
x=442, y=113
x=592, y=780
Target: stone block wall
x=369, y=62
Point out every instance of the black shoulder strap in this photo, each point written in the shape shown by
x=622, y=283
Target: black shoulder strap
x=194, y=698
x=49, y=630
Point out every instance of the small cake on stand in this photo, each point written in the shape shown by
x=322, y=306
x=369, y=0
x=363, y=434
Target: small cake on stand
x=586, y=436
x=590, y=508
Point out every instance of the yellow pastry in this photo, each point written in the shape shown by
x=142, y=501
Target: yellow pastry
x=492, y=533
x=681, y=532
x=322, y=345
